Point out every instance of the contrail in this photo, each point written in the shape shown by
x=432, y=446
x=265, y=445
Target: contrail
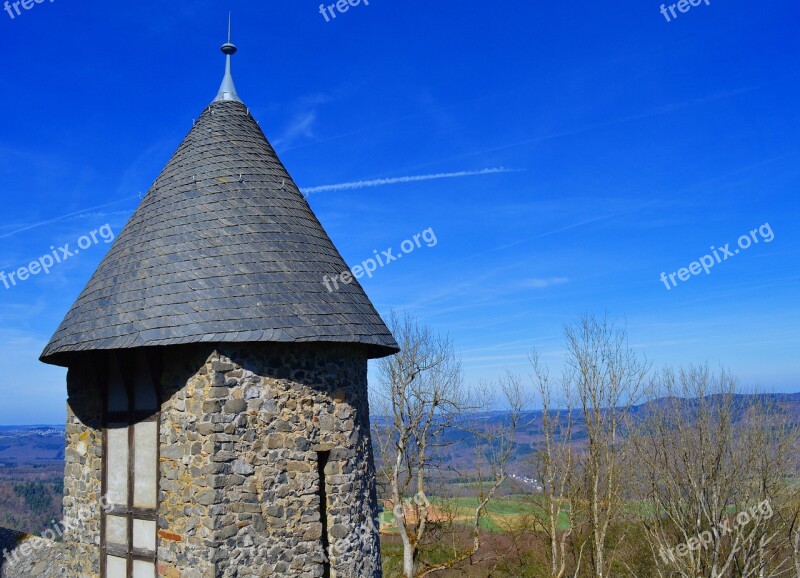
x=399, y=180
x=306, y=192
x=61, y=218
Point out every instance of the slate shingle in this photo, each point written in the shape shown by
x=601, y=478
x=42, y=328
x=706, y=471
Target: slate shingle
x=224, y=248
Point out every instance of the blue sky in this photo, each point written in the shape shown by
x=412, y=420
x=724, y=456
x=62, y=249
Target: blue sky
x=629, y=146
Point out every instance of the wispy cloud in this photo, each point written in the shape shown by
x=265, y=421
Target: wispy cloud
x=401, y=180
x=303, y=118
x=77, y=214
x=544, y=283
x=300, y=127
x=662, y=110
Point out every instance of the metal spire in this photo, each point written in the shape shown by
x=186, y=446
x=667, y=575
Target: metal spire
x=227, y=91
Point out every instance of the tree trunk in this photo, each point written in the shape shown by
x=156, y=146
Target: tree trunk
x=408, y=559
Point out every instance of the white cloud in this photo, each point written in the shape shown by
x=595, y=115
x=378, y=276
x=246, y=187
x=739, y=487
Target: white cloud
x=544, y=283
x=300, y=127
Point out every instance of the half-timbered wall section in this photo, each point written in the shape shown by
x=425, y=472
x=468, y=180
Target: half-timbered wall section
x=130, y=472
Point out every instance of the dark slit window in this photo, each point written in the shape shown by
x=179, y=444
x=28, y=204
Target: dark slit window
x=322, y=461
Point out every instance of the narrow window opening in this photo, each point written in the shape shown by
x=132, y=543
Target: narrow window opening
x=130, y=472
x=322, y=461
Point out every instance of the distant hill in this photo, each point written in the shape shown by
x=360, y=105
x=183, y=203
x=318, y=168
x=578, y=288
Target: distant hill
x=461, y=448
x=32, y=457
x=31, y=476
x=789, y=403
x=31, y=444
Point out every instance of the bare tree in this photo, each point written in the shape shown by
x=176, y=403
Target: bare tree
x=420, y=398
x=714, y=467
x=555, y=465
x=780, y=465
x=608, y=378
x=494, y=448
x=789, y=513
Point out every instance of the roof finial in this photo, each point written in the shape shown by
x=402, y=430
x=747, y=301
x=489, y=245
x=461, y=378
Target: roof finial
x=228, y=91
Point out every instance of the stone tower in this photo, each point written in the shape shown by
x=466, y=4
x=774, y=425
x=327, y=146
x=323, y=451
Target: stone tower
x=218, y=422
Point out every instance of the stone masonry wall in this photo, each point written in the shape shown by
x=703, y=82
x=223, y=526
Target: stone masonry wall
x=242, y=429
x=241, y=433
x=83, y=470
x=35, y=558
x=186, y=524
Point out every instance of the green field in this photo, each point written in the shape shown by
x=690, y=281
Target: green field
x=501, y=514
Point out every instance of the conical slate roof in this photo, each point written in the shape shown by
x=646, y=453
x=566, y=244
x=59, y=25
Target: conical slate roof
x=224, y=248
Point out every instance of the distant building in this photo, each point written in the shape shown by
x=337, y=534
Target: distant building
x=217, y=390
